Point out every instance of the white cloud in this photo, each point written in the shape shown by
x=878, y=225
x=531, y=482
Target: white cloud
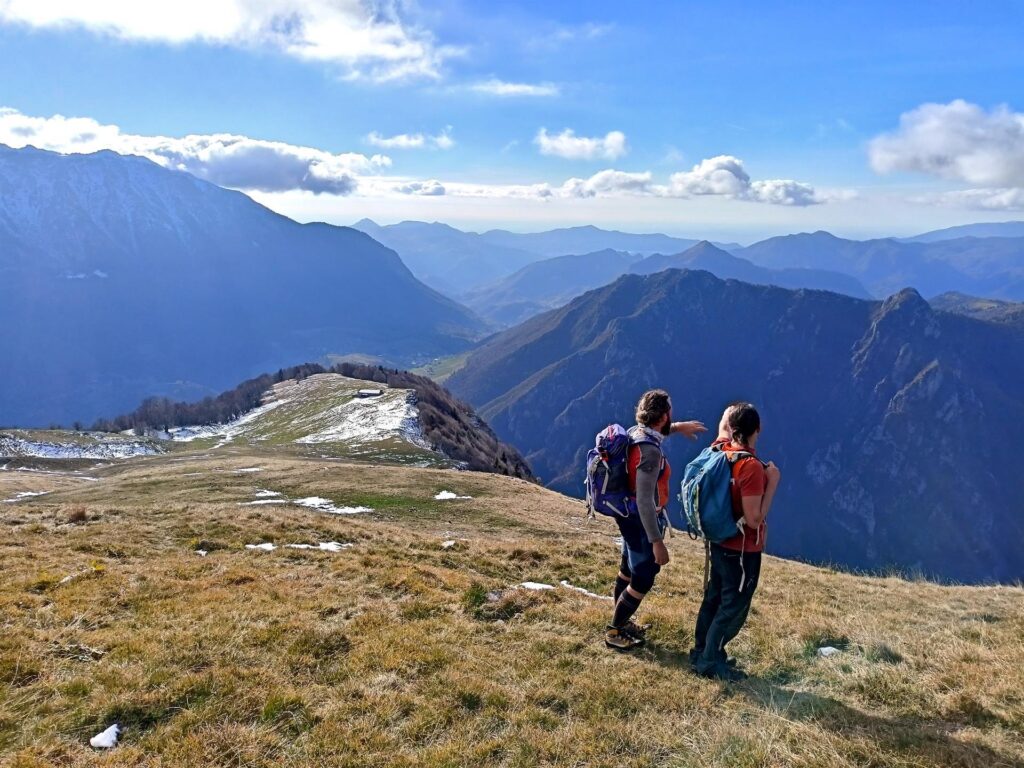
x=225, y=159
x=721, y=175
x=401, y=141
x=959, y=141
x=496, y=87
x=430, y=188
x=725, y=175
x=608, y=183
x=572, y=147
x=995, y=199
x=443, y=140
x=368, y=39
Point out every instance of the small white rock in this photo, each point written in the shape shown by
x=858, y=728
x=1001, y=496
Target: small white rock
x=202, y=552
x=447, y=544
x=828, y=651
x=107, y=739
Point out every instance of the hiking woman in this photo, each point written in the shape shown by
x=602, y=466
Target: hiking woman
x=643, y=547
x=735, y=562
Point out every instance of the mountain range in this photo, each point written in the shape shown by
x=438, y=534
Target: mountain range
x=554, y=282
x=120, y=279
x=460, y=263
x=991, y=266
x=880, y=414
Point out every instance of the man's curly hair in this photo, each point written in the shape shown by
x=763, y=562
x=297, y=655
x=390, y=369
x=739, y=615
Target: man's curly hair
x=654, y=403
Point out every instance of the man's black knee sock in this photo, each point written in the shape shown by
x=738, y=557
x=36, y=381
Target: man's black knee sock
x=625, y=607
x=620, y=586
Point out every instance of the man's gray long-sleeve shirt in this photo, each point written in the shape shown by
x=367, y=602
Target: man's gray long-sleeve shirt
x=647, y=488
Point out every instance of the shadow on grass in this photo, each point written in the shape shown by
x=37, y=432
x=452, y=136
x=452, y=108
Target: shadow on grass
x=914, y=740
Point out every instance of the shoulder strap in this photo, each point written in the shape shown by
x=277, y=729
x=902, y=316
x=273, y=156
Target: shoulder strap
x=734, y=456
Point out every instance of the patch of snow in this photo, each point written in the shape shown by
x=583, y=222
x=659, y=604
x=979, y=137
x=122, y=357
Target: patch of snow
x=106, y=739
x=535, y=586
x=227, y=431
x=244, y=470
x=101, y=449
x=261, y=502
x=326, y=505
x=264, y=547
x=202, y=552
x=325, y=546
x=446, y=495
x=372, y=420
x=827, y=651
x=263, y=493
x=23, y=495
x=447, y=544
x=583, y=591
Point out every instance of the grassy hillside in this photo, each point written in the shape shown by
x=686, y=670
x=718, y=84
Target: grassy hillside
x=414, y=647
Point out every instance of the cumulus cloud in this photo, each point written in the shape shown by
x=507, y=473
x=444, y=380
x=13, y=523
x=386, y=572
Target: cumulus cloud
x=572, y=147
x=959, y=141
x=225, y=159
x=443, y=140
x=608, y=183
x=496, y=87
x=726, y=175
x=367, y=38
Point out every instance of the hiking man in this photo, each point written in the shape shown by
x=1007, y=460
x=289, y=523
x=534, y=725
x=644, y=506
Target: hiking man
x=735, y=562
x=643, y=547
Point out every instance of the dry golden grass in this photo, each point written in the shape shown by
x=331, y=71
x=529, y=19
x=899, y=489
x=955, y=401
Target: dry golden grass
x=391, y=652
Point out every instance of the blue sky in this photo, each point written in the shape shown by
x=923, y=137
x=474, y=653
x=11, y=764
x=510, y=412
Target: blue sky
x=728, y=120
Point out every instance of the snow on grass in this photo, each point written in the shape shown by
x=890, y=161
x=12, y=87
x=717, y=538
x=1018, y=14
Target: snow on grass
x=446, y=495
x=448, y=544
x=23, y=495
x=326, y=505
x=202, y=552
x=266, y=546
x=535, y=586
x=263, y=493
x=325, y=546
x=371, y=420
x=107, y=739
x=101, y=447
x=227, y=431
x=583, y=591
x=245, y=470
x=262, y=502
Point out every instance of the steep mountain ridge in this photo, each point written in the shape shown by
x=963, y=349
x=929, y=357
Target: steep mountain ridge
x=553, y=282
x=878, y=413
x=125, y=279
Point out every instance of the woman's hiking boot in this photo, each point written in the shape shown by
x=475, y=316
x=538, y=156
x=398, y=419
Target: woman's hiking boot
x=622, y=638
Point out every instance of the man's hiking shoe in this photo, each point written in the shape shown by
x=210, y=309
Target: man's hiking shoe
x=640, y=630
x=622, y=639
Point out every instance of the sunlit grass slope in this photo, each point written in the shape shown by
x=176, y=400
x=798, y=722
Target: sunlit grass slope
x=414, y=647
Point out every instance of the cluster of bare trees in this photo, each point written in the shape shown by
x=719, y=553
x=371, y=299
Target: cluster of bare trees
x=161, y=413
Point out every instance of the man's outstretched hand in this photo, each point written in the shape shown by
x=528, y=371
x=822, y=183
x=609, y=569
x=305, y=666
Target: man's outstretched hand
x=690, y=429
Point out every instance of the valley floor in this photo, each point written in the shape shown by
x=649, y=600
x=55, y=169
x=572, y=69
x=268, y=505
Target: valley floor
x=415, y=647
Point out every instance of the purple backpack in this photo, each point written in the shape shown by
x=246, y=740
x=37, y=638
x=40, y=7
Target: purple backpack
x=607, y=481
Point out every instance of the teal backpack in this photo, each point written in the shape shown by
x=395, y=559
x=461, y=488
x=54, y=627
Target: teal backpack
x=706, y=496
